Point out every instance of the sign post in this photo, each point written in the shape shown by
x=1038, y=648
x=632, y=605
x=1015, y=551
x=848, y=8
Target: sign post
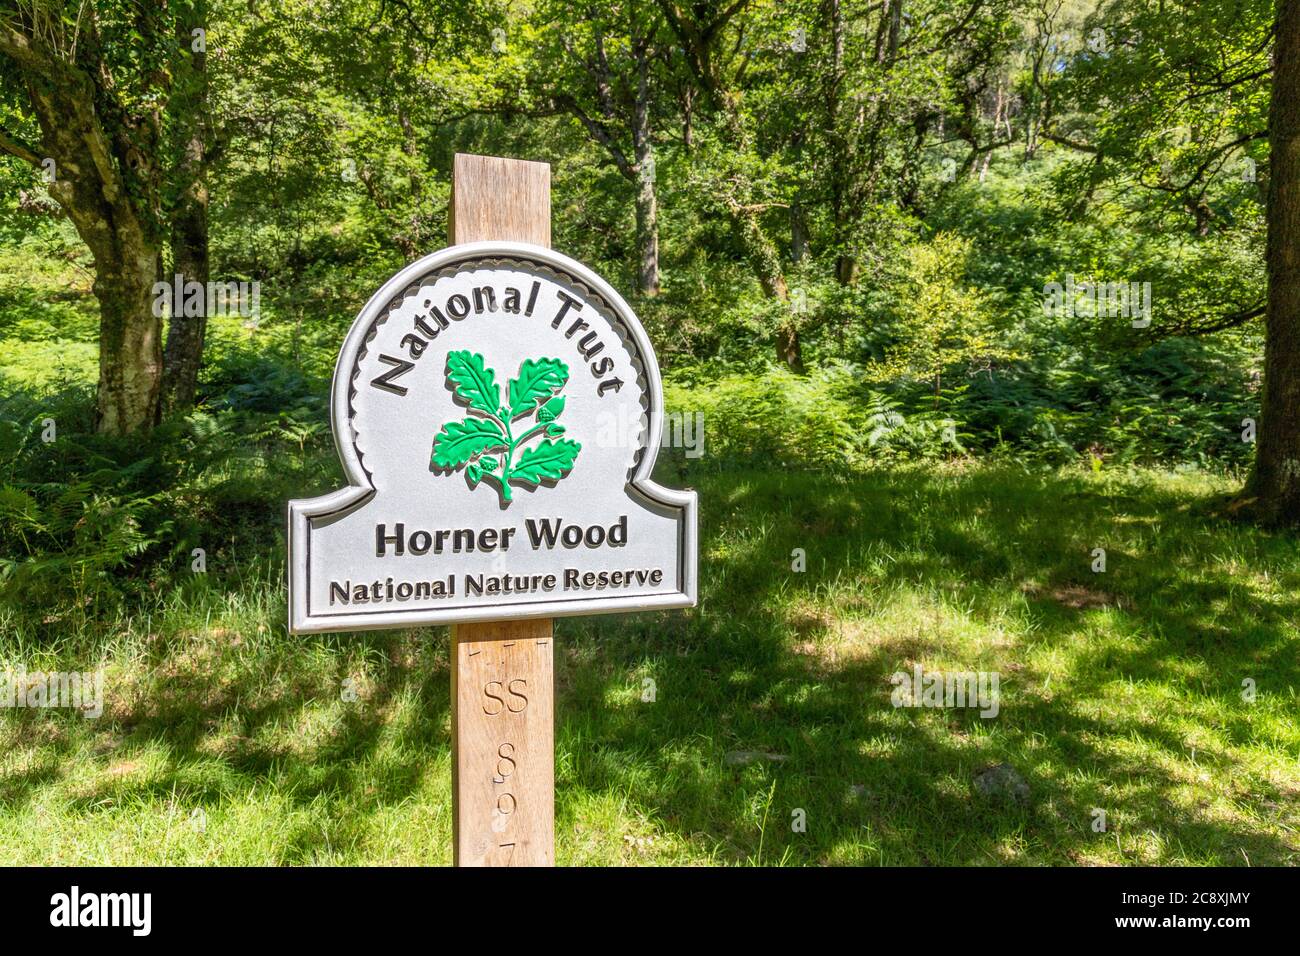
x=497, y=408
x=502, y=673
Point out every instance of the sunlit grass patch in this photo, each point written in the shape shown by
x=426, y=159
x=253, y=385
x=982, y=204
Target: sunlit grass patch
x=756, y=729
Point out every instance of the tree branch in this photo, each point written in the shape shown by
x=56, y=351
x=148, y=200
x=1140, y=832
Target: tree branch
x=15, y=147
x=1073, y=144
x=599, y=132
x=1220, y=324
x=18, y=47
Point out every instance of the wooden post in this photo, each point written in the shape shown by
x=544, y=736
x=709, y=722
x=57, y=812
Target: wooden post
x=502, y=673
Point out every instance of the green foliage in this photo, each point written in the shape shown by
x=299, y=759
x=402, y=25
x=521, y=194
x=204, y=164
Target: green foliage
x=1176, y=401
x=950, y=160
x=925, y=434
x=90, y=524
x=76, y=514
x=946, y=322
x=330, y=170
x=828, y=420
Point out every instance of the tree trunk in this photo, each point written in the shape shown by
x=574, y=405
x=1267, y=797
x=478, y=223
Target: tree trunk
x=647, y=203
x=762, y=253
x=895, y=25
x=1276, y=479
x=798, y=232
x=688, y=117
x=106, y=179
x=647, y=228
x=841, y=153
x=189, y=241
x=788, y=349
x=130, y=343
x=186, y=334
x=124, y=249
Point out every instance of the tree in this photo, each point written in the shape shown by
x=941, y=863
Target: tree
x=948, y=322
x=743, y=170
x=189, y=136
x=1276, y=478
x=1173, y=101
x=90, y=83
x=599, y=65
x=1163, y=99
x=892, y=75
x=350, y=95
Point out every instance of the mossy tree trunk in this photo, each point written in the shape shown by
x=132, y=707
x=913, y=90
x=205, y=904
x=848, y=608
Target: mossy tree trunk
x=106, y=178
x=188, y=109
x=1276, y=479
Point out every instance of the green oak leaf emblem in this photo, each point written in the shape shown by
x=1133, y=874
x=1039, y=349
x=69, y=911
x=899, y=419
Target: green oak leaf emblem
x=485, y=442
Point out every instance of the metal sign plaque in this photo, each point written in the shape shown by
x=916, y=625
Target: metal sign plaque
x=498, y=409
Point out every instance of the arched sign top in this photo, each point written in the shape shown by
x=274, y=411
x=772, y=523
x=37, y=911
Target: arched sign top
x=497, y=407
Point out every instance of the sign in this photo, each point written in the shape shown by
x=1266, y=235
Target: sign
x=497, y=408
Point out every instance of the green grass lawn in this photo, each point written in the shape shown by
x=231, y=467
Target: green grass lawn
x=1120, y=691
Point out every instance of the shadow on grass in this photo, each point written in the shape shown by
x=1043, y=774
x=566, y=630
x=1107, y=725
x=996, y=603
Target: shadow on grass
x=877, y=784
x=773, y=697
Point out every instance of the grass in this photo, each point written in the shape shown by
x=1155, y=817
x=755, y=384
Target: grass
x=48, y=320
x=226, y=741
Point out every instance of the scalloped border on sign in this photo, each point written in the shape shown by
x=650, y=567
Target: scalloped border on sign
x=626, y=339
x=360, y=487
